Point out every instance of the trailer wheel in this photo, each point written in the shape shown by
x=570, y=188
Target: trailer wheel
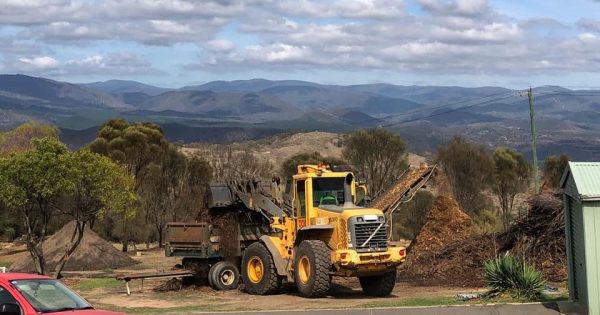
x=258, y=270
x=379, y=285
x=224, y=276
x=311, y=268
x=209, y=277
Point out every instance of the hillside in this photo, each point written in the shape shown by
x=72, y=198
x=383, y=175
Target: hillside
x=123, y=86
x=22, y=90
x=278, y=148
x=218, y=104
x=226, y=111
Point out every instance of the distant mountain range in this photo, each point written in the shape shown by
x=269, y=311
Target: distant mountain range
x=223, y=111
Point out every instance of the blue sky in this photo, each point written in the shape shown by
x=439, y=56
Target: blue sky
x=173, y=43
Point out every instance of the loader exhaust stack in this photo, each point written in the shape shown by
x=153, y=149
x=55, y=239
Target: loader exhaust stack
x=348, y=201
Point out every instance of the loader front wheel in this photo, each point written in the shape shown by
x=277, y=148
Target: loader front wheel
x=311, y=268
x=258, y=271
x=382, y=285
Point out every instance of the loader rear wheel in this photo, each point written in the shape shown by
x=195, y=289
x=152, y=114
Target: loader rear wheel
x=379, y=285
x=311, y=268
x=258, y=271
x=224, y=276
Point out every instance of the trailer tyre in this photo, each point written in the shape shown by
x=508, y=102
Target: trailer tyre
x=382, y=285
x=224, y=276
x=258, y=271
x=209, y=278
x=311, y=268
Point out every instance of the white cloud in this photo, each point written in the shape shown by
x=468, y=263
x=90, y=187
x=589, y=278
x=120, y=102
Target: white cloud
x=39, y=63
x=220, y=45
x=267, y=23
x=156, y=22
x=587, y=37
x=278, y=52
x=452, y=37
x=113, y=63
x=494, y=32
x=31, y=12
x=344, y=8
x=170, y=27
x=456, y=7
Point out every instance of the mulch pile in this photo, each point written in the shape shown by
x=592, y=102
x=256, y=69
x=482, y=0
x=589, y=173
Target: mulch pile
x=449, y=250
x=432, y=259
x=93, y=253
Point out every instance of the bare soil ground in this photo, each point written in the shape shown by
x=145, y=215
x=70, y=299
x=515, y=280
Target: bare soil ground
x=111, y=294
x=103, y=291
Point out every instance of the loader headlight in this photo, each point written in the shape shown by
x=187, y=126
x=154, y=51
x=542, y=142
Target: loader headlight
x=381, y=218
x=360, y=219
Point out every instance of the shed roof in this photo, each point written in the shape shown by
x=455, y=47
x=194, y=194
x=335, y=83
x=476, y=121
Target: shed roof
x=587, y=179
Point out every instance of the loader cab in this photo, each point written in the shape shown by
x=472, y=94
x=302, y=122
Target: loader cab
x=317, y=187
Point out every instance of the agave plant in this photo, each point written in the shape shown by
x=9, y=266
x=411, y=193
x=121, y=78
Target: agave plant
x=510, y=274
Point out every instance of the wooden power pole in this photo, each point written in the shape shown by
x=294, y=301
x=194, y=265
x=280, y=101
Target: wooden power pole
x=536, y=172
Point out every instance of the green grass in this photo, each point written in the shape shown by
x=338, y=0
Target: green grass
x=91, y=284
x=446, y=301
x=434, y=301
x=172, y=310
x=152, y=310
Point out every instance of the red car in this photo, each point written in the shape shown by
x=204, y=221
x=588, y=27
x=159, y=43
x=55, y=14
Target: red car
x=29, y=294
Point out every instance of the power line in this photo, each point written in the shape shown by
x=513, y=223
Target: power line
x=509, y=94
x=447, y=105
x=571, y=94
x=448, y=111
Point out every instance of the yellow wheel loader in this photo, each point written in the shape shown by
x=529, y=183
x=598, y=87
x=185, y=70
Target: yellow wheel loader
x=313, y=234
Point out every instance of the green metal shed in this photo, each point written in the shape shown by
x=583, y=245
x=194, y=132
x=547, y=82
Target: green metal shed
x=581, y=187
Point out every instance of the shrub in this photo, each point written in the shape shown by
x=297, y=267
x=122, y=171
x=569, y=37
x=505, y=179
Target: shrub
x=509, y=274
x=487, y=221
x=9, y=234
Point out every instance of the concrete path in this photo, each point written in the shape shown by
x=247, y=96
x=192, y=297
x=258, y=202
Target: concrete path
x=504, y=309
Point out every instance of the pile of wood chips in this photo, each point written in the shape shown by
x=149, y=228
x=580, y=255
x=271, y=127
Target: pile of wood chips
x=431, y=259
x=450, y=252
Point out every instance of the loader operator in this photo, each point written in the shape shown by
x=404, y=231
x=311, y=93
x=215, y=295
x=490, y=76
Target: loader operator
x=328, y=199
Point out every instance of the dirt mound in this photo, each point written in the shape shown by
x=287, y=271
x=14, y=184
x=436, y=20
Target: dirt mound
x=93, y=253
x=440, y=257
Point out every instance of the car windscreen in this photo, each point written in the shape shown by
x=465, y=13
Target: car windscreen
x=48, y=296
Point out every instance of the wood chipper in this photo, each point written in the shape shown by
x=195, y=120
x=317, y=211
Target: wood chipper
x=315, y=232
